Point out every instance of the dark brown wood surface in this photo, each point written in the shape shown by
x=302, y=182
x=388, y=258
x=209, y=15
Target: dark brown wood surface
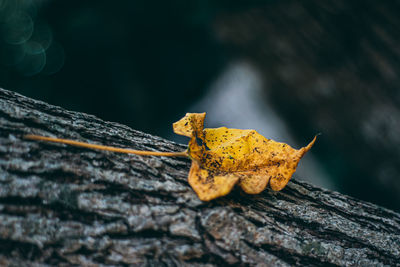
x=62, y=205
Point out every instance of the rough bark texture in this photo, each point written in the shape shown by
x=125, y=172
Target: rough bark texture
x=65, y=205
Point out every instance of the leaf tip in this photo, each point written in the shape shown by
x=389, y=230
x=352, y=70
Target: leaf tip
x=305, y=149
x=189, y=125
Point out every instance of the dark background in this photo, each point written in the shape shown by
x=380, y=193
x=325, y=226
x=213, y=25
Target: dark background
x=329, y=67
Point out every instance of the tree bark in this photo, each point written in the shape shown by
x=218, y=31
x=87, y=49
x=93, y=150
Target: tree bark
x=62, y=205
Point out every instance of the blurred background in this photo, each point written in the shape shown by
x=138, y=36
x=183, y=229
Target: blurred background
x=289, y=69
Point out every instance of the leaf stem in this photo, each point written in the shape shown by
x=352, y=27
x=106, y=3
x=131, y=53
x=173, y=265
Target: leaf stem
x=106, y=148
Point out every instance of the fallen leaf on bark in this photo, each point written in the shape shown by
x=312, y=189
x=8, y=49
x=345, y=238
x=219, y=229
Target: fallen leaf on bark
x=222, y=157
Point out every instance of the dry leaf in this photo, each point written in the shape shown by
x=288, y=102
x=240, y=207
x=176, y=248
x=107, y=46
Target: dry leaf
x=222, y=157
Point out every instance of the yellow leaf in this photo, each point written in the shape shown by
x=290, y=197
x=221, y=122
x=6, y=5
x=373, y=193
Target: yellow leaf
x=223, y=157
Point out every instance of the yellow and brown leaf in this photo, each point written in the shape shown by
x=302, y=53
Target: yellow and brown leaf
x=222, y=157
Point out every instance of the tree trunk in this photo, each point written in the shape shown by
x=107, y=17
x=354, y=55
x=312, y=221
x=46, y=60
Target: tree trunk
x=62, y=205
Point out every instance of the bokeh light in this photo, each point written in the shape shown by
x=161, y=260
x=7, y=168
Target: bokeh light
x=18, y=28
x=34, y=60
x=26, y=44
